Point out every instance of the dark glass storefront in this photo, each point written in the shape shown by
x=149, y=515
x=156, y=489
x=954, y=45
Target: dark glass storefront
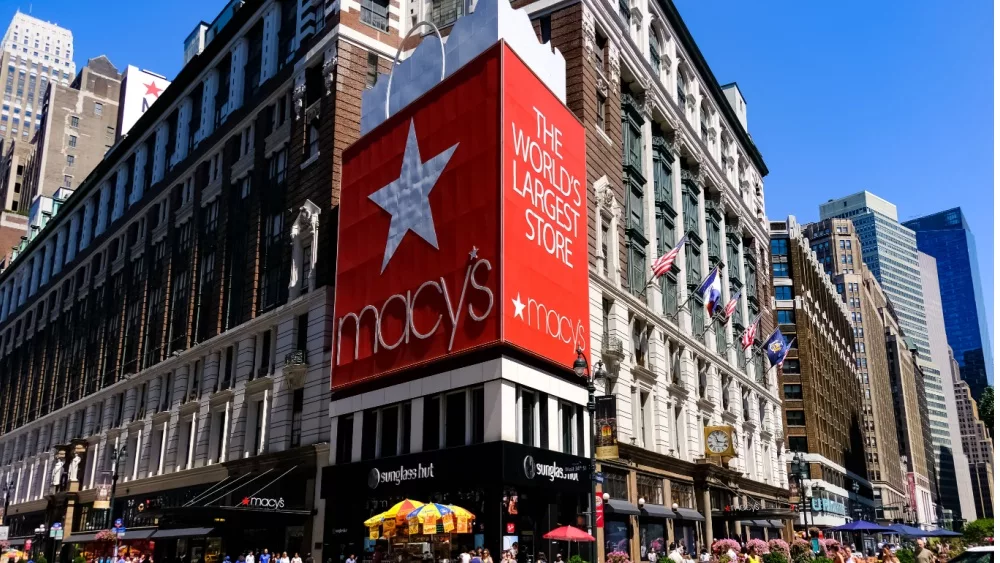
x=516, y=492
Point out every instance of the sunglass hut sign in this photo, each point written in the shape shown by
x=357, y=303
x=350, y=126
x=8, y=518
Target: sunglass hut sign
x=444, y=247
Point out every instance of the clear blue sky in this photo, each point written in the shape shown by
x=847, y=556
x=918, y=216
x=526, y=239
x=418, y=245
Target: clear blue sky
x=841, y=96
x=846, y=96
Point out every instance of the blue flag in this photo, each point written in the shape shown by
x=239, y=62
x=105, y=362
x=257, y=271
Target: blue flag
x=776, y=348
x=710, y=291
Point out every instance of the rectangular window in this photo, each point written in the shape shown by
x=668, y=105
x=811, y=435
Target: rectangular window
x=783, y=292
x=566, y=420
x=432, y=423
x=779, y=269
x=405, y=418
x=390, y=432
x=98, y=108
x=798, y=444
x=70, y=160
x=371, y=76
x=602, y=113
x=795, y=418
x=67, y=181
x=74, y=121
x=454, y=422
x=297, y=398
x=72, y=140
x=478, y=415
x=790, y=366
x=786, y=316
x=528, y=418
x=369, y=434
x=345, y=438
x=779, y=247
x=793, y=392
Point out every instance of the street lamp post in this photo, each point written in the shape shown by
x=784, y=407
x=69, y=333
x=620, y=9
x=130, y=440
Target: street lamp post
x=117, y=455
x=582, y=369
x=800, y=468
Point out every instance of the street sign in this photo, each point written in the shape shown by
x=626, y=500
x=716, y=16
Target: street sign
x=119, y=523
x=4, y=532
x=599, y=477
x=59, y=534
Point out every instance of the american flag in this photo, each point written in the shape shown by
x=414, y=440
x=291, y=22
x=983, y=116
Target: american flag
x=731, y=306
x=663, y=264
x=750, y=333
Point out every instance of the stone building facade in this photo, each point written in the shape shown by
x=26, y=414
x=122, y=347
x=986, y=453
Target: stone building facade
x=976, y=442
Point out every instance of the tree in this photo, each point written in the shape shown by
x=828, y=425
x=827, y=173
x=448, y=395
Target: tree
x=978, y=530
x=986, y=408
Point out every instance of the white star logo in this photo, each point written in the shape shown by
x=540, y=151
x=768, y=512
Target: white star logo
x=406, y=197
x=518, y=306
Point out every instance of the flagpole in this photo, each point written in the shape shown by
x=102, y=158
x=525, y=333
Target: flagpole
x=742, y=334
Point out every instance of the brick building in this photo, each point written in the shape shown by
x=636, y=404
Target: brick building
x=913, y=429
x=976, y=442
x=171, y=323
x=838, y=250
x=822, y=390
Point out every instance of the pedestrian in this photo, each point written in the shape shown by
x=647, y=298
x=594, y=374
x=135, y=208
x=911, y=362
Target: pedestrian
x=923, y=555
x=886, y=555
x=249, y=557
x=675, y=554
x=284, y=557
x=474, y=556
x=464, y=557
x=296, y=559
x=265, y=557
x=704, y=557
x=486, y=556
x=350, y=559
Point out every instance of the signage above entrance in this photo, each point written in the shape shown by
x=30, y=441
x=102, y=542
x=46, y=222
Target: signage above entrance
x=550, y=471
x=378, y=476
x=463, y=225
x=262, y=502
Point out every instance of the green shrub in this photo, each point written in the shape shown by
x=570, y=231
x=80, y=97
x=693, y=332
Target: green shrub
x=577, y=559
x=904, y=555
x=775, y=557
x=41, y=558
x=79, y=559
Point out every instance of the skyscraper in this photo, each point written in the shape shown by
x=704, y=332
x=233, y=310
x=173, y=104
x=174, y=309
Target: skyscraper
x=952, y=463
x=947, y=237
x=890, y=251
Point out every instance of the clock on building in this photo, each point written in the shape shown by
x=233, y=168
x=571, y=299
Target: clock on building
x=719, y=441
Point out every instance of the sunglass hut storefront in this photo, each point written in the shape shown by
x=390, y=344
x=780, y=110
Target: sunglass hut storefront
x=517, y=493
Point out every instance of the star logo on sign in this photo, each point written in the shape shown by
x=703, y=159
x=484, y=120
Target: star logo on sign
x=406, y=197
x=246, y=501
x=153, y=89
x=518, y=306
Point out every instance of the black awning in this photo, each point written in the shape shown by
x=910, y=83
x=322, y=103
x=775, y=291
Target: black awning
x=748, y=523
x=656, y=511
x=138, y=534
x=762, y=523
x=621, y=507
x=689, y=514
x=181, y=533
x=776, y=524
x=81, y=538
x=18, y=542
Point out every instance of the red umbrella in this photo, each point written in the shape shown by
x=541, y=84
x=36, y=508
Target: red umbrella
x=568, y=533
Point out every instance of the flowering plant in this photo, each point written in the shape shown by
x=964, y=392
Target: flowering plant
x=106, y=535
x=801, y=550
x=830, y=543
x=617, y=557
x=757, y=546
x=780, y=546
x=724, y=545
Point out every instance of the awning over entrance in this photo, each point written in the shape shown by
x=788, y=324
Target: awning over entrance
x=621, y=507
x=18, y=542
x=689, y=514
x=137, y=534
x=656, y=511
x=81, y=538
x=181, y=533
x=776, y=524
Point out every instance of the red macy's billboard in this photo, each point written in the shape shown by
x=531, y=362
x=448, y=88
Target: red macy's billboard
x=463, y=225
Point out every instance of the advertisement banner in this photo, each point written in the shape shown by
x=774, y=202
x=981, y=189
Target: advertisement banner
x=463, y=225
x=414, y=526
x=607, y=427
x=599, y=510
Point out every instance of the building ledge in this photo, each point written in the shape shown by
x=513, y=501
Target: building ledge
x=242, y=167
x=278, y=138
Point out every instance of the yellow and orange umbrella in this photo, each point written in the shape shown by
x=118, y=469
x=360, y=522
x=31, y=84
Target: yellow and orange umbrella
x=400, y=510
x=460, y=512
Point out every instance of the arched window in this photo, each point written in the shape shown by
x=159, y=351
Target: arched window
x=654, y=50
